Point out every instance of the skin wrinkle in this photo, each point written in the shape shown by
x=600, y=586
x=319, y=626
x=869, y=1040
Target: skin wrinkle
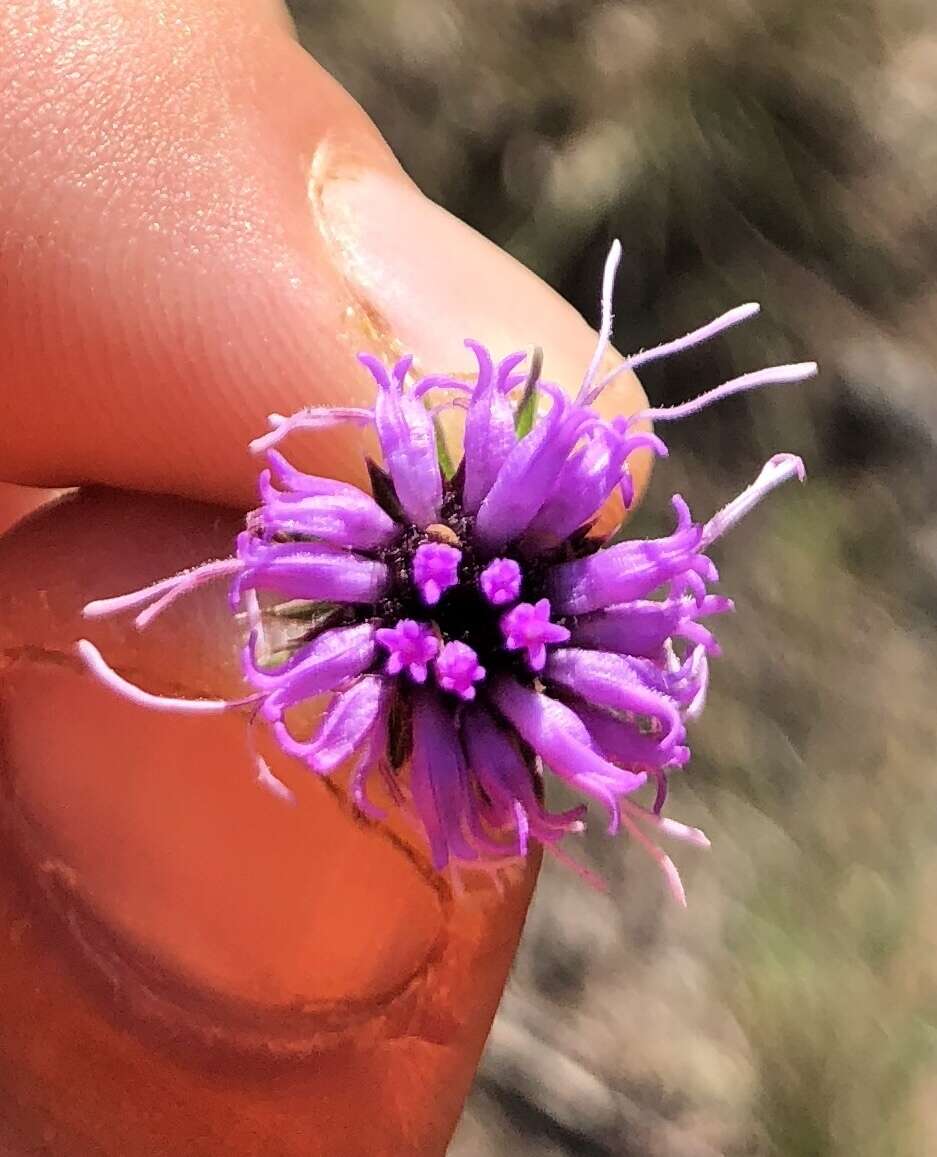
x=218, y=197
x=175, y=1011
x=35, y=930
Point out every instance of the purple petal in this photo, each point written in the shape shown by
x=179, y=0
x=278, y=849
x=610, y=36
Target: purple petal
x=326, y=662
x=527, y=476
x=357, y=523
x=624, y=743
x=508, y=782
x=308, y=570
x=302, y=485
x=439, y=781
x=408, y=442
x=346, y=725
x=628, y=571
x=489, y=431
x=560, y=737
x=588, y=479
x=617, y=682
x=338, y=514
x=641, y=628
x=372, y=757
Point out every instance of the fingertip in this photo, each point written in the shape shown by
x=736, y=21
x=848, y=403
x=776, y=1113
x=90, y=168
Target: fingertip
x=256, y=235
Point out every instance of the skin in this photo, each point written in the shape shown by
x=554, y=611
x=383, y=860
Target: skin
x=200, y=227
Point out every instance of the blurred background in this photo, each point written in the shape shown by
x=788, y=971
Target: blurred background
x=783, y=151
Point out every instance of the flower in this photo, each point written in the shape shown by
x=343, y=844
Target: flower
x=470, y=630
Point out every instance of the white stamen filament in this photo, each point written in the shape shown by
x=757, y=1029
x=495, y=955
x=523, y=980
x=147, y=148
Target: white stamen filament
x=776, y=471
x=105, y=674
x=771, y=376
x=587, y=394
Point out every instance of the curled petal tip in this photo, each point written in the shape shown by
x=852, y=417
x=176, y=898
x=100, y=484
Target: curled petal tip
x=269, y=782
x=674, y=882
x=791, y=463
x=376, y=369
x=264, y=442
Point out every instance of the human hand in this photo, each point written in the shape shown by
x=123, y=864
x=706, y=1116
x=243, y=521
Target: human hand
x=200, y=227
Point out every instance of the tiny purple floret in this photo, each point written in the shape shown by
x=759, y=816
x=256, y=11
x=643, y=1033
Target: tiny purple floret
x=527, y=627
x=412, y=647
x=500, y=581
x=435, y=570
x=458, y=669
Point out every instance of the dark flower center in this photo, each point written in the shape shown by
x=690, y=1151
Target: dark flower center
x=463, y=613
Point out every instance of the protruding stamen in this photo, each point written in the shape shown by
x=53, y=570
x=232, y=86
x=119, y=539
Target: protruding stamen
x=412, y=646
x=772, y=376
x=586, y=392
x=528, y=627
x=776, y=470
x=697, y=337
x=312, y=418
x=95, y=662
x=161, y=594
x=435, y=570
x=458, y=669
x=500, y=581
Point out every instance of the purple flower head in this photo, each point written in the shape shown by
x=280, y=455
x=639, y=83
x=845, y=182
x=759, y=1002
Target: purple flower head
x=501, y=580
x=435, y=570
x=402, y=606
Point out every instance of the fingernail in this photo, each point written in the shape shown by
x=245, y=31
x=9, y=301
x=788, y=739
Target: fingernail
x=433, y=281
x=425, y=281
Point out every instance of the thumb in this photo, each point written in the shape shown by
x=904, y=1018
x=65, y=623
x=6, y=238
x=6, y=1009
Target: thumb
x=201, y=227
